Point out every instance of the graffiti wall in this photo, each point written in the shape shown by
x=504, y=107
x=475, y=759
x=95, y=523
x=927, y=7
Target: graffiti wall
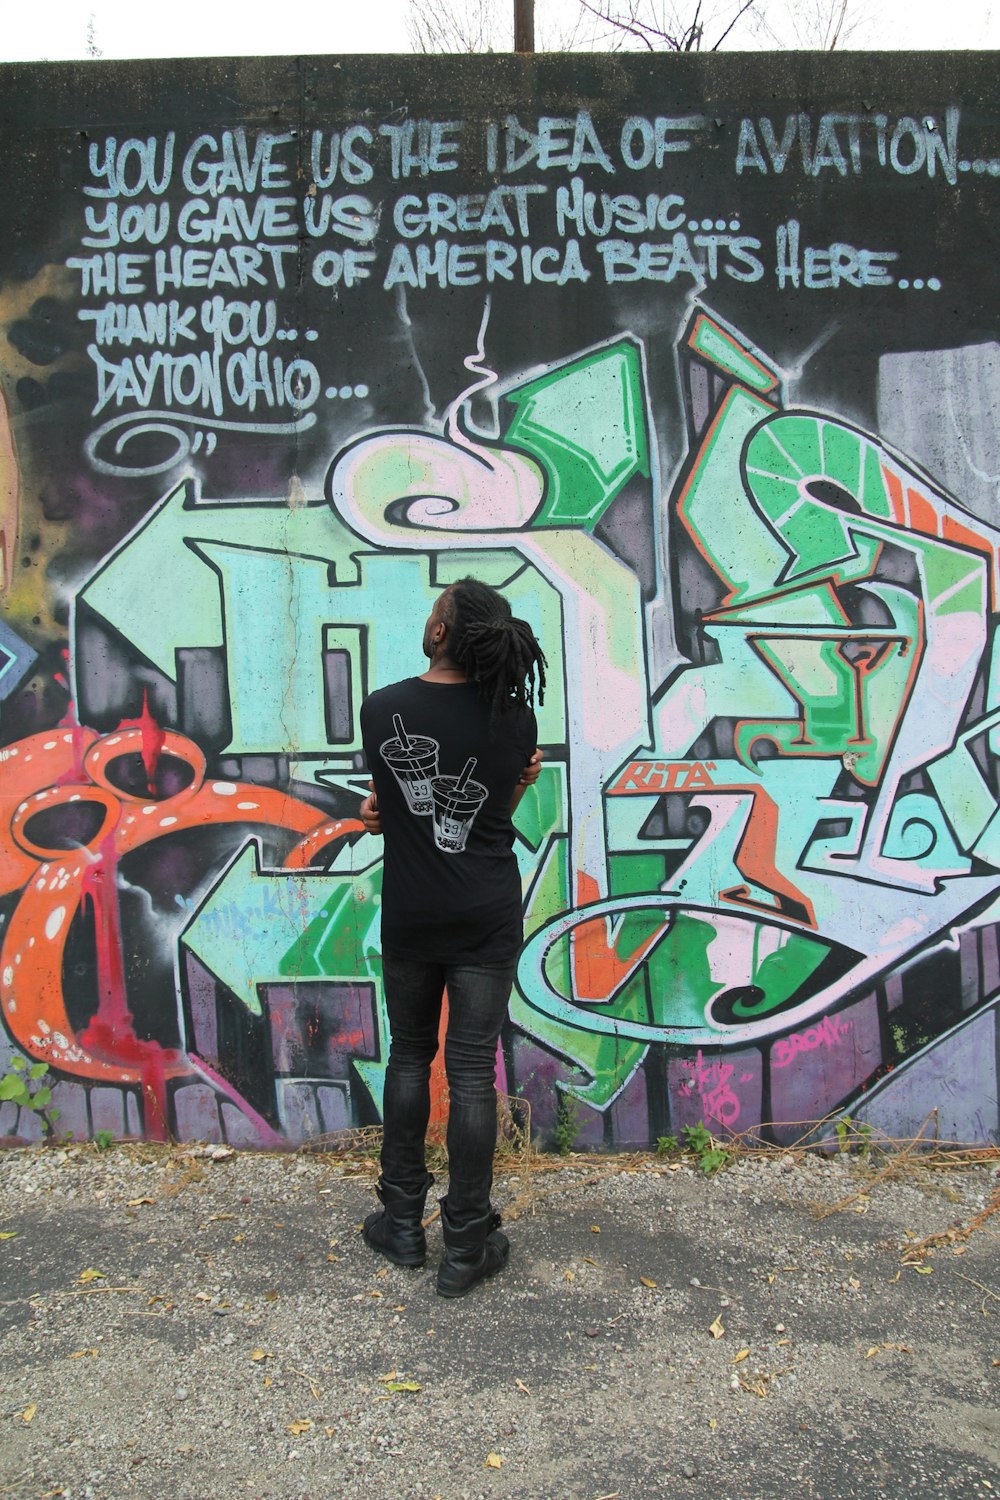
x=699, y=360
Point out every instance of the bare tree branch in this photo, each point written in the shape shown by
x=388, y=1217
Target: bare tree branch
x=650, y=25
x=738, y=17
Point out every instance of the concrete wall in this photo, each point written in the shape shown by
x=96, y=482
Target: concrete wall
x=697, y=358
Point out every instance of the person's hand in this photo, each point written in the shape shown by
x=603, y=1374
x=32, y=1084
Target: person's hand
x=532, y=770
x=369, y=814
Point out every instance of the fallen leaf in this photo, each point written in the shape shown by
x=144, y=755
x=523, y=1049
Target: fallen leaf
x=959, y=1249
x=782, y=1342
x=853, y=1282
x=924, y=1270
x=493, y=1461
x=90, y=1275
x=29, y=1411
x=755, y=1387
x=203, y=1296
x=271, y=1296
x=716, y=1329
x=588, y=1261
x=648, y=1281
x=298, y=1428
x=995, y=1364
x=8, y=1234
x=332, y=1257
x=871, y=1351
x=743, y=1354
x=391, y=1375
x=569, y=1276
x=82, y=1353
x=211, y=1218
x=268, y=1380
x=713, y=1423
x=402, y=1385
x=138, y=1202
x=329, y=1431
x=522, y=1387
x=258, y=1354
x=595, y=1228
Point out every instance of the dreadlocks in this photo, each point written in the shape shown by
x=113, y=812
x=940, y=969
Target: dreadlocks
x=497, y=651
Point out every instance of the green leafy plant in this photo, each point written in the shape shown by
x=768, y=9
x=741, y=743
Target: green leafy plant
x=23, y=1085
x=709, y=1155
x=665, y=1144
x=567, y=1125
x=104, y=1139
x=851, y=1136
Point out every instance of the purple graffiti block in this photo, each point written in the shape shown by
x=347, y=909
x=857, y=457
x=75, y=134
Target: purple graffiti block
x=334, y=1108
x=133, y=1115
x=534, y=1076
x=956, y=1077
x=29, y=1127
x=990, y=981
x=721, y=1090
x=816, y=1067
x=968, y=958
x=196, y=1113
x=107, y=1111
x=316, y=1029
x=70, y=1099
x=629, y=1114
x=8, y=1118
x=894, y=992
x=239, y=1130
x=204, y=1015
x=297, y=1110
x=589, y=1126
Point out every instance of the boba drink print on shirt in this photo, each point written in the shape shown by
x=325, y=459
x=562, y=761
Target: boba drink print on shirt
x=451, y=801
x=413, y=760
x=457, y=799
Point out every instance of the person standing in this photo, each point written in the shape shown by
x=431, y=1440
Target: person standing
x=450, y=753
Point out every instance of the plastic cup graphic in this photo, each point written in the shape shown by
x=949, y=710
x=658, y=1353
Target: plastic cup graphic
x=457, y=799
x=413, y=760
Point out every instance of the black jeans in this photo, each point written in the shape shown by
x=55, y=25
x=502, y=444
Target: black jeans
x=477, y=1004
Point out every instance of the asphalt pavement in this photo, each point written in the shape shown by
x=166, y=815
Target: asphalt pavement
x=191, y=1322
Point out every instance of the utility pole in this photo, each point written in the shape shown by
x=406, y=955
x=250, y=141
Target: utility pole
x=524, y=25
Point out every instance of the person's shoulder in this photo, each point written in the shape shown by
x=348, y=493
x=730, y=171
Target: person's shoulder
x=519, y=723
x=383, y=696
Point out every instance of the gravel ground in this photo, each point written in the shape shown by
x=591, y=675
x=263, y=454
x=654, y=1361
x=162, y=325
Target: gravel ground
x=190, y=1323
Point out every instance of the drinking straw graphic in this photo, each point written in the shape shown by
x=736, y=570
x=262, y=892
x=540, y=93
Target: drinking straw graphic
x=467, y=770
x=401, y=733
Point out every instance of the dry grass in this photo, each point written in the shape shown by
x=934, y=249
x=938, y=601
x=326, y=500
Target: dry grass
x=875, y=1157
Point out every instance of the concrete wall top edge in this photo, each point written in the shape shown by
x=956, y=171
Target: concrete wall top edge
x=48, y=95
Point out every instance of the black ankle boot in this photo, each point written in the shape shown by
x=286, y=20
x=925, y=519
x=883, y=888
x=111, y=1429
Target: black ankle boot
x=397, y=1232
x=471, y=1253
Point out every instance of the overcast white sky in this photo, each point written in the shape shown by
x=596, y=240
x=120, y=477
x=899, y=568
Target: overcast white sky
x=59, y=29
